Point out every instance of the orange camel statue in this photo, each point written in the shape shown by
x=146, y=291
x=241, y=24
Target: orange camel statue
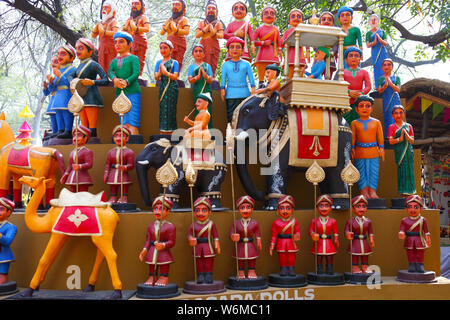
x=17, y=160
x=73, y=214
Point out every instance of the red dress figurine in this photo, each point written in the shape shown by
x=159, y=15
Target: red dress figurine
x=284, y=235
x=118, y=165
x=360, y=232
x=414, y=230
x=203, y=236
x=160, y=238
x=247, y=234
x=241, y=29
x=80, y=161
x=295, y=18
x=322, y=231
x=269, y=43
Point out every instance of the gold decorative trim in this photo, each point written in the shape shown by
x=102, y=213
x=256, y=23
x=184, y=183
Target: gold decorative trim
x=293, y=152
x=315, y=132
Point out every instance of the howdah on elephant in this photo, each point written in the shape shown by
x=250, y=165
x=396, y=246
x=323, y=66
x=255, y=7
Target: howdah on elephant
x=304, y=135
x=156, y=154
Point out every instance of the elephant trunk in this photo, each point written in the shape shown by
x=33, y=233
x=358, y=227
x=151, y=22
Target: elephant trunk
x=247, y=182
x=141, y=171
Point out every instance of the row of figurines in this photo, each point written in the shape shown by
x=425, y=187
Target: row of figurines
x=236, y=77
x=285, y=232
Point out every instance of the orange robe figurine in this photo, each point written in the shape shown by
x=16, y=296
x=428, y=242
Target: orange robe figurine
x=177, y=28
x=138, y=25
x=105, y=31
x=199, y=127
x=210, y=30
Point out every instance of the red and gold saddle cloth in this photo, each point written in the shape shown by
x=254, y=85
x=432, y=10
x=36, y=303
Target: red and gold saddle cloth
x=78, y=221
x=19, y=156
x=313, y=137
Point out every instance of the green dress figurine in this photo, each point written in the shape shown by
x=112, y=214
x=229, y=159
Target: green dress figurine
x=401, y=137
x=167, y=70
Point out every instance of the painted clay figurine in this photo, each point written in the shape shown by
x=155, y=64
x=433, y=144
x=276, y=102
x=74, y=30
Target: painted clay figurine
x=8, y=232
x=359, y=231
x=167, y=70
x=235, y=78
x=46, y=91
x=269, y=43
x=295, y=18
x=92, y=75
x=81, y=161
x=138, y=25
x=199, y=127
x=241, y=29
x=285, y=233
x=358, y=79
x=318, y=68
x=353, y=38
x=204, y=237
x=272, y=83
x=200, y=76
x=415, y=233
x=177, y=28
x=60, y=83
x=246, y=233
x=124, y=72
x=210, y=30
x=388, y=85
x=105, y=31
x=161, y=235
x=326, y=18
x=376, y=41
x=323, y=232
x=367, y=145
x=401, y=137
x=119, y=162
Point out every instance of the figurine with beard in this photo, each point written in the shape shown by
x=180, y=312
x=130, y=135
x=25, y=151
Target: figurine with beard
x=105, y=30
x=138, y=25
x=177, y=28
x=210, y=30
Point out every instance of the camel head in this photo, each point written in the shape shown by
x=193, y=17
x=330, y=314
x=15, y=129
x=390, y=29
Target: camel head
x=34, y=182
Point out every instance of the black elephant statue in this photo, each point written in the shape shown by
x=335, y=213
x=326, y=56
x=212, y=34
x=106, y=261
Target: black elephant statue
x=275, y=126
x=156, y=154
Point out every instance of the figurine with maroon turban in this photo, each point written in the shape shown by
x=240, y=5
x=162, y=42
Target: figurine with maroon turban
x=161, y=235
x=204, y=239
x=119, y=162
x=360, y=232
x=324, y=233
x=416, y=235
x=81, y=160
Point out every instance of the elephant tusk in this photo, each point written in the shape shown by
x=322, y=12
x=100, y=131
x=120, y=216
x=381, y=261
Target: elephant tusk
x=242, y=136
x=143, y=162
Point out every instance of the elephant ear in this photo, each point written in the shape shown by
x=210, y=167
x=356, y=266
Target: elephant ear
x=273, y=106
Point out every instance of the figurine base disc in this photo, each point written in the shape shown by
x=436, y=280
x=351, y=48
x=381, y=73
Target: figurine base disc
x=125, y=207
x=7, y=288
x=275, y=280
x=247, y=284
x=192, y=287
x=57, y=142
x=376, y=203
x=416, y=277
x=153, y=292
x=324, y=279
x=72, y=295
x=362, y=278
x=398, y=203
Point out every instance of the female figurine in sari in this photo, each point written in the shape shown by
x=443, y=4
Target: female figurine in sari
x=376, y=40
x=200, y=76
x=353, y=38
x=167, y=70
x=401, y=136
x=388, y=85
